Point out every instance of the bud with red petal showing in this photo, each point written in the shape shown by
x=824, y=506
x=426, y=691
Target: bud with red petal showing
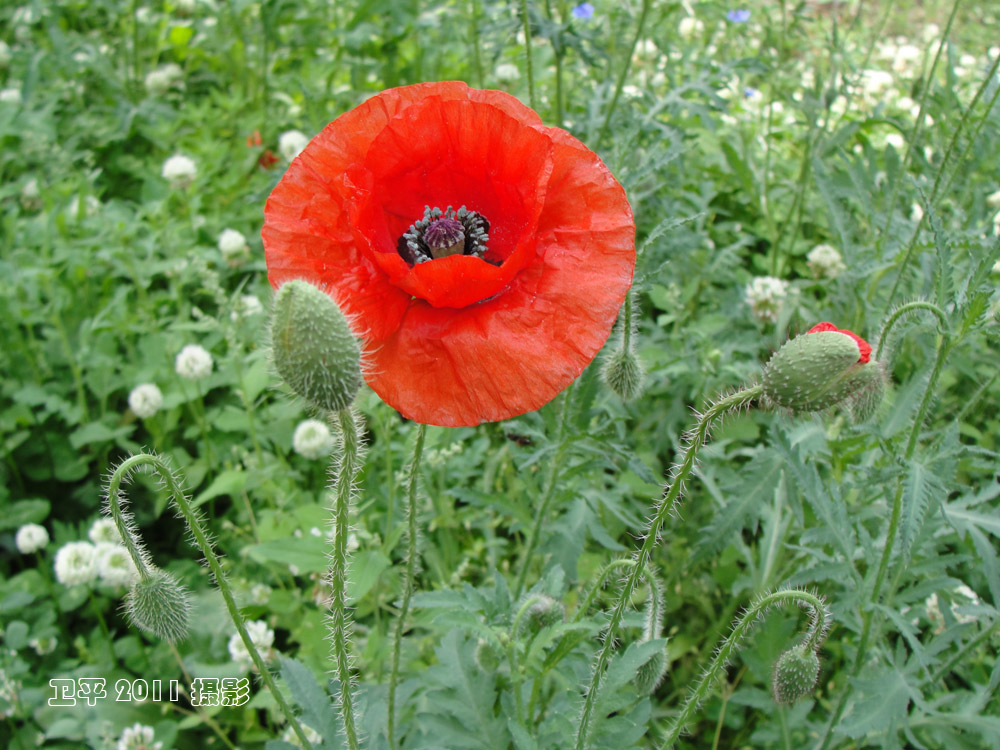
x=825, y=367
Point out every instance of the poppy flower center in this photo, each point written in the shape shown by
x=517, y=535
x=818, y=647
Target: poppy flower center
x=440, y=234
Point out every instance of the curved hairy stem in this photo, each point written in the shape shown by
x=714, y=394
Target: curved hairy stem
x=671, y=495
x=193, y=519
x=818, y=626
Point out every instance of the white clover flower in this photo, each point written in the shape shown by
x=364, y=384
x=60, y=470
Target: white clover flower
x=145, y=400
x=5, y=54
x=896, y=141
x=76, y=563
x=965, y=592
x=766, y=296
x=507, y=72
x=44, y=645
x=314, y=737
x=260, y=593
x=246, y=306
x=193, y=362
x=916, y=212
x=30, y=538
x=104, y=530
x=179, y=171
x=261, y=636
x=825, y=261
x=10, y=95
x=233, y=246
x=690, y=27
x=138, y=737
x=159, y=81
x=312, y=439
x=291, y=143
x=993, y=199
x=114, y=564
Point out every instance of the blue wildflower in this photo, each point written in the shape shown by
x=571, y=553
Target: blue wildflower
x=584, y=11
x=738, y=15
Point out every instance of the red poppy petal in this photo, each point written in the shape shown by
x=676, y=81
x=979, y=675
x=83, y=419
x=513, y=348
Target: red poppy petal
x=569, y=249
x=515, y=353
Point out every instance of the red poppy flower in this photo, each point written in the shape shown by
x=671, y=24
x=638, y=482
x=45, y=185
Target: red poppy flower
x=482, y=255
x=864, y=348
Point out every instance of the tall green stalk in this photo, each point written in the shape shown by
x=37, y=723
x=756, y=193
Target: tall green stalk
x=409, y=576
x=343, y=475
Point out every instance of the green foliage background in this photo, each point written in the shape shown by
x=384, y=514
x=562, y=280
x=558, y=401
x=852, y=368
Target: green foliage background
x=742, y=146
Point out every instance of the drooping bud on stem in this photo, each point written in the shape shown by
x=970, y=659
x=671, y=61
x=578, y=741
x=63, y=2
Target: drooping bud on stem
x=159, y=605
x=822, y=368
x=795, y=674
x=314, y=349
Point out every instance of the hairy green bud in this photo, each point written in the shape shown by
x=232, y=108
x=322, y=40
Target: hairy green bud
x=623, y=374
x=543, y=612
x=313, y=347
x=795, y=674
x=159, y=605
x=823, y=368
x=651, y=674
x=486, y=656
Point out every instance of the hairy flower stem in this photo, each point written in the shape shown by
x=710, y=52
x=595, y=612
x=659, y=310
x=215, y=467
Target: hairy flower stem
x=343, y=474
x=548, y=493
x=898, y=315
x=667, y=503
x=945, y=344
x=623, y=73
x=409, y=576
x=527, y=54
x=814, y=635
x=193, y=520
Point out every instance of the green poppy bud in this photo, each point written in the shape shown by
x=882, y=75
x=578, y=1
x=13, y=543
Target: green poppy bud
x=543, y=612
x=651, y=674
x=623, y=374
x=314, y=349
x=823, y=368
x=159, y=605
x=795, y=674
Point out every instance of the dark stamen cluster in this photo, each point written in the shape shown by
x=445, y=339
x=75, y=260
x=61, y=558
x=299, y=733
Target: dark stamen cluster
x=414, y=248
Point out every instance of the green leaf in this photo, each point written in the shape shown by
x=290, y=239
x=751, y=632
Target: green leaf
x=229, y=482
x=318, y=710
x=24, y=511
x=461, y=702
x=920, y=485
x=308, y=553
x=755, y=488
x=363, y=571
x=879, y=704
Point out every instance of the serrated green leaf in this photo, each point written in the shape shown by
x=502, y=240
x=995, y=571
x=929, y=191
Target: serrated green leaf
x=318, y=710
x=919, y=486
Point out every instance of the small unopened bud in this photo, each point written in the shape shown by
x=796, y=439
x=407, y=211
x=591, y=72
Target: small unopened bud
x=651, y=674
x=159, y=605
x=314, y=350
x=623, y=374
x=824, y=367
x=486, y=656
x=795, y=674
x=543, y=612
